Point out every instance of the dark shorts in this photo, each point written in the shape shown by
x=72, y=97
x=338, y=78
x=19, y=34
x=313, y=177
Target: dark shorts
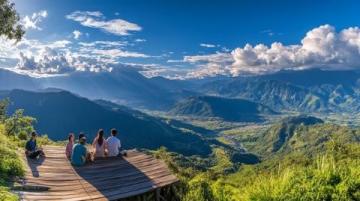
x=35, y=154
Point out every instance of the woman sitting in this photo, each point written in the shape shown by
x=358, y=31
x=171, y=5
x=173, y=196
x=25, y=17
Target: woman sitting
x=99, y=145
x=69, y=145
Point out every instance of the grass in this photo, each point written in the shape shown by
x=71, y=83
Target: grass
x=319, y=163
x=10, y=165
x=325, y=179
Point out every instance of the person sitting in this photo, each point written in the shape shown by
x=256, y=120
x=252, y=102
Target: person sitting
x=80, y=154
x=69, y=145
x=80, y=136
x=113, y=144
x=31, y=149
x=99, y=145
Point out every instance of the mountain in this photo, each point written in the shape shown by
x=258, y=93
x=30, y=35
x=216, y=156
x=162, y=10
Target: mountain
x=294, y=90
x=124, y=85
x=305, y=135
x=281, y=135
x=301, y=91
x=10, y=80
x=61, y=112
x=315, y=77
x=224, y=108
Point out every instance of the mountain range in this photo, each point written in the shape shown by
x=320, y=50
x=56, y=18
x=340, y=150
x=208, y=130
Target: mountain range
x=60, y=112
x=123, y=85
x=301, y=91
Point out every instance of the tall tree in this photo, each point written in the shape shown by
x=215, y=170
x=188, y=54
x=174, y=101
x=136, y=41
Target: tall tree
x=9, y=21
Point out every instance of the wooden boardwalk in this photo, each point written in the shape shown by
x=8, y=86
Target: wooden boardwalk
x=105, y=179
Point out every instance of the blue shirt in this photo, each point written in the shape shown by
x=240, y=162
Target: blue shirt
x=30, y=145
x=78, y=156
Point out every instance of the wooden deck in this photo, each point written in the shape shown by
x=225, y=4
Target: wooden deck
x=105, y=179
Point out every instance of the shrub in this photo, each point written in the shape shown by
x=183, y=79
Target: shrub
x=326, y=179
x=10, y=164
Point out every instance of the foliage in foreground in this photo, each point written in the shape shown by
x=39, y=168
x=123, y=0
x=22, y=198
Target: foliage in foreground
x=328, y=173
x=9, y=21
x=10, y=165
x=14, y=131
x=325, y=179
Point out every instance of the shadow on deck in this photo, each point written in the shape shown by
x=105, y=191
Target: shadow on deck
x=105, y=179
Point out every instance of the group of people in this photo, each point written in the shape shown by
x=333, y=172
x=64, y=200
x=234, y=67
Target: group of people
x=78, y=153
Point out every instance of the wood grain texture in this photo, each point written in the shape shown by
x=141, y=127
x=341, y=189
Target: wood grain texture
x=104, y=179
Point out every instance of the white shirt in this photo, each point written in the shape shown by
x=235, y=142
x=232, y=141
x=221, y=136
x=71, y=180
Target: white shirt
x=113, y=144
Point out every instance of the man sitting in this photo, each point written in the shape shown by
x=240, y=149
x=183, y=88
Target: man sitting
x=80, y=154
x=31, y=149
x=113, y=144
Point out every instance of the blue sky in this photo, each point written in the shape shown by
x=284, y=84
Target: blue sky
x=189, y=38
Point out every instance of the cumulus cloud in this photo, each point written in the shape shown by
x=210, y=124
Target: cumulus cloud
x=322, y=47
x=76, y=34
x=97, y=20
x=31, y=22
x=50, y=61
x=207, y=45
x=41, y=59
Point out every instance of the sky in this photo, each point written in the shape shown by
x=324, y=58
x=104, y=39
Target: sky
x=183, y=39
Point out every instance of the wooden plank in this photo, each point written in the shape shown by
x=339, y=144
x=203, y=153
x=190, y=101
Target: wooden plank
x=154, y=175
x=108, y=178
x=112, y=173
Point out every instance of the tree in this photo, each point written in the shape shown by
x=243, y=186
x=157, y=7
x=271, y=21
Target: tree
x=19, y=124
x=9, y=21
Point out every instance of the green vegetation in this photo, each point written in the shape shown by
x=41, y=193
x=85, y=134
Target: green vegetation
x=223, y=108
x=302, y=159
x=314, y=161
x=9, y=26
x=14, y=130
x=10, y=164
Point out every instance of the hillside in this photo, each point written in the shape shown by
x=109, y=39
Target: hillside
x=300, y=134
x=59, y=113
x=314, y=161
x=224, y=108
x=302, y=91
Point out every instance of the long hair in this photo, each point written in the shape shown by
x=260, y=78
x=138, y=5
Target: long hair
x=100, y=137
x=71, y=137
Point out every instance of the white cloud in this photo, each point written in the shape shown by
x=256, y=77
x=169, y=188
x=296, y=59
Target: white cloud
x=140, y=40
x=114, y=53
x=175, y=61
x=42, y=59
x=97, y=20
x=50, y=61
x=31, y=22
x=207, y=45
x=104, y=43
x=218, y=57
x=209, y=65
x=76, y=34
x=322, y=47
